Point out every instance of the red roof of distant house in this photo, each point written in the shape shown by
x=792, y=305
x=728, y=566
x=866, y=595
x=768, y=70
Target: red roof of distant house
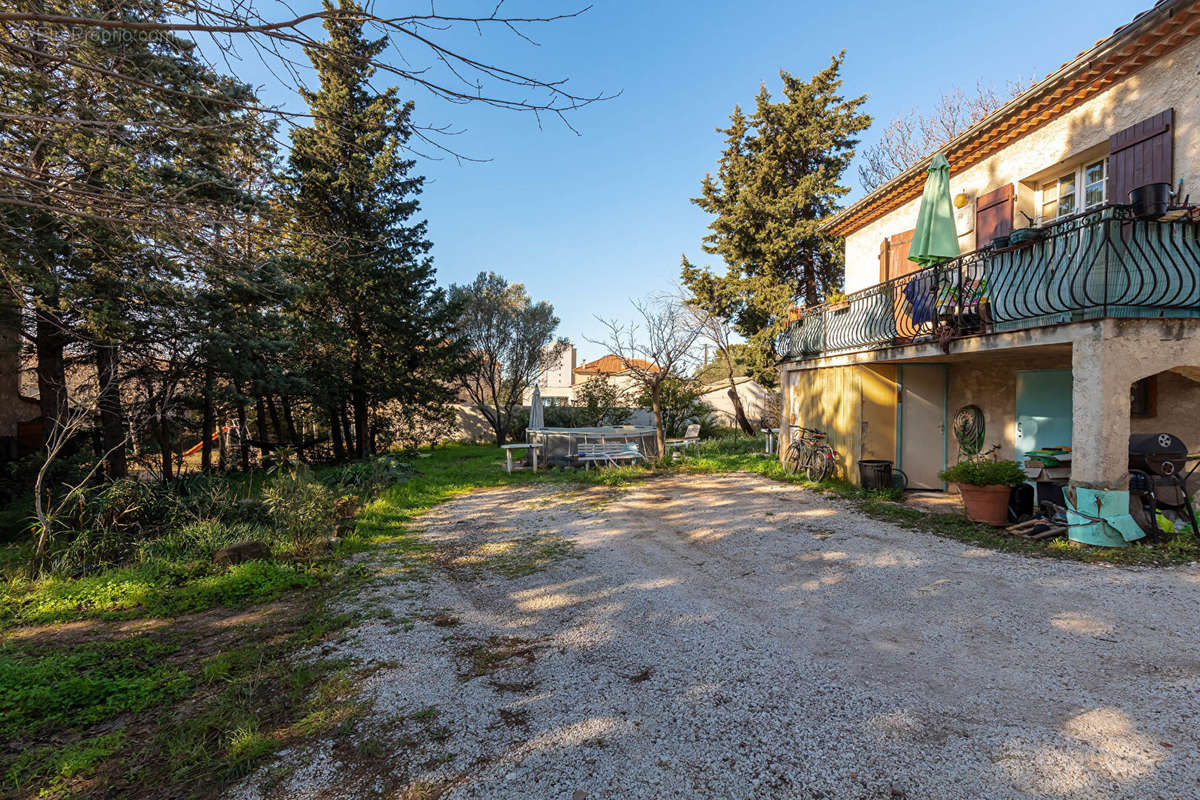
x=611, y=365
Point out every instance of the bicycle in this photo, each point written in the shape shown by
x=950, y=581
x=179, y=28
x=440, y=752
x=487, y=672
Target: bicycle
x=809, y=449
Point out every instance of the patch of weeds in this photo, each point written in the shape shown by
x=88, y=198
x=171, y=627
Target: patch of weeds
x=497, y=653
x=509, y=558
x=642, y=676
x=423, y=790
x=519, y=687
x=425, y=714
x=369, y=748
x=53, y=765
x=86, y=684
x=959, y=528
x=514, y=718
x=145, y=591
x=247, y=745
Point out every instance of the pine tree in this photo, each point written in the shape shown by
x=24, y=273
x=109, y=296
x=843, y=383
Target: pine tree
x=370, y=314
x=107, y=263
x=777, y=181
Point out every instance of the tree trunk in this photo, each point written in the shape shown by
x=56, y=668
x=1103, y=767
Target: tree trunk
x=112, y=415
x=499, y=428
x=51, y=371
x=279, y=437
x=362, y=437
x=164, y=443
x=660, y=435
x=739, y=412
x=210, y=421
x=335, y=432
x=290, y=419
x=243, y=427
x=264, y=438
x=347, y=429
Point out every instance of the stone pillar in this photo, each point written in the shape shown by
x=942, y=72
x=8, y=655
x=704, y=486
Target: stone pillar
x=1100, y=415
x=1106, y=358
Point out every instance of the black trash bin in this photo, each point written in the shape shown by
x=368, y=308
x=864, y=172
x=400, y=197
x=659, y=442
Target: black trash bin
x=875, y=473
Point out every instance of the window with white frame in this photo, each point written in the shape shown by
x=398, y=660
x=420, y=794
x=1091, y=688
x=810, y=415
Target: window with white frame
x=1081, y=189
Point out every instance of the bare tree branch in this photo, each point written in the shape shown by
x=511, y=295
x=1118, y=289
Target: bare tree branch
x=912, y=136
x=658, y=348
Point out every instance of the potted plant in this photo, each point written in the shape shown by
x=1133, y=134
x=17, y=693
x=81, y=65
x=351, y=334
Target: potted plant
x=985, y=486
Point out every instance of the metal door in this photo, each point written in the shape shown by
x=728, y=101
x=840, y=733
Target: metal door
x=1043, y=409
x=922, y=416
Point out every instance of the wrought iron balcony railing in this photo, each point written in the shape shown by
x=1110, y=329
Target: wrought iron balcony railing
x=1101, y=263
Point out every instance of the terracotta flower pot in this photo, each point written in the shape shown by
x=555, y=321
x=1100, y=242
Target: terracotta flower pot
x=986, y=504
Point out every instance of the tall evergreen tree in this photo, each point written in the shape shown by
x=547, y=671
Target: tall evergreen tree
x=777, y=181
x=105, y=260
x=369, y=308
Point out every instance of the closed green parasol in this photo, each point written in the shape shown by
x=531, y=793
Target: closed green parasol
x=935, y=240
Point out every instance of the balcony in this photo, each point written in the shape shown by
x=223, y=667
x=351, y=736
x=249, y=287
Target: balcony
x=1101, y=263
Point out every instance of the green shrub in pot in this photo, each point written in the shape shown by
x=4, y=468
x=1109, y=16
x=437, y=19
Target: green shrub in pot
x=985, y=472
x=985, y=486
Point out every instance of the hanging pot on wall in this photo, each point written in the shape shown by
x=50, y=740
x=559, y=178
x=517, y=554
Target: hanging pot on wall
x=1150, y=201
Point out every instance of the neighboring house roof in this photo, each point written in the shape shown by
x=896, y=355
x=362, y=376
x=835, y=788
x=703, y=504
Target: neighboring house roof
x=612, y=365
x=1150, y=35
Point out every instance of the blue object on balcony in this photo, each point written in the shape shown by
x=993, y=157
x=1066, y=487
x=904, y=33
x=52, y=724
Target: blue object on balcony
x=919, y=292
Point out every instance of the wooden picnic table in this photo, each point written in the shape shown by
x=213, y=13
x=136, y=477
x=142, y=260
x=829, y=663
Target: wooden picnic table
x=508, y=451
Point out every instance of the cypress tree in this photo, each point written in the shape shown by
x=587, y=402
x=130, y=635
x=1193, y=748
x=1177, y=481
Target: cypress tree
x=777, y=181
x=374, y=324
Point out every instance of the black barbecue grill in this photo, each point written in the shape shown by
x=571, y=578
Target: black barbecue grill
x=1159, y=478
x=1157, y=453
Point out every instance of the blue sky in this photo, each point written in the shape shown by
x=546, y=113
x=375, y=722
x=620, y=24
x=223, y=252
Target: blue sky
x=589, y=220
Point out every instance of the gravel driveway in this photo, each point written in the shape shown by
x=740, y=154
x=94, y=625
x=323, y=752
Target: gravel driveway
x=728, y=636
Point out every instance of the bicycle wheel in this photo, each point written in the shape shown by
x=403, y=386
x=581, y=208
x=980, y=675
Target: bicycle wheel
x=792, y=459
x=818, y=464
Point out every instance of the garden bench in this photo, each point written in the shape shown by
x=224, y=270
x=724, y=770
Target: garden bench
x=508, y=451
x=607, y=453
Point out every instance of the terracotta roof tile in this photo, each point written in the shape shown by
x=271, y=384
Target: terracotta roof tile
x=611, y=365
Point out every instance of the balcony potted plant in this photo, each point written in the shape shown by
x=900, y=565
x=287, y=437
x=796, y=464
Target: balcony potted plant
x=985, y=486
x=836, y=300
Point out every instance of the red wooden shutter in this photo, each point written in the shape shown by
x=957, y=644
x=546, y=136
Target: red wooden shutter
x=897, y=256
x=1141, y=154
x=993, y=215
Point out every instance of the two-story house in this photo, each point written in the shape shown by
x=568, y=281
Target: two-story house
x=1070, y=319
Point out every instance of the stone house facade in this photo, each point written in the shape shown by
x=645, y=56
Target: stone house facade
x=1070, y=319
